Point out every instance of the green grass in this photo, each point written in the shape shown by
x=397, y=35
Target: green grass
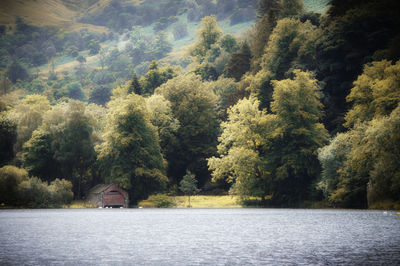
x=385, y=205
x=78, y=204
x=199, y=201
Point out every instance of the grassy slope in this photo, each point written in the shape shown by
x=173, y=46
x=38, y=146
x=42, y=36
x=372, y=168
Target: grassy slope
x=64, y=13
x=45, y=13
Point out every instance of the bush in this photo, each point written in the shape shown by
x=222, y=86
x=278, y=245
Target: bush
x=34, y=193
x=10, y=178
x=160, y=201
x=61, y=192
x=17, y=189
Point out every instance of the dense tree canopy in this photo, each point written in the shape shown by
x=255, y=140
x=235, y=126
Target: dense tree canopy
x=62, y=147
x=130, y=155
x=242, y=108
x=208, y=34
x=359, y=166
x=274, y=155
x=193, y=104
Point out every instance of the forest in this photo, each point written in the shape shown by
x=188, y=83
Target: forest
x=297, y=105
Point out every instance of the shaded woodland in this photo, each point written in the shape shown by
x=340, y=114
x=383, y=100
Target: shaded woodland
x=300, y=110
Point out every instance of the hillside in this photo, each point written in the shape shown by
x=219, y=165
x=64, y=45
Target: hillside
x=68, y=14
x=57, y=13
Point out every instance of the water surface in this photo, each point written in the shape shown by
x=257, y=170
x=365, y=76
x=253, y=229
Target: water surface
x=198, y=237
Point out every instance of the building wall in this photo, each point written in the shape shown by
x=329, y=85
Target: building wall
x=111, y=196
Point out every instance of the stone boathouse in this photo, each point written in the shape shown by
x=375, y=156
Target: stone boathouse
x=108, y=196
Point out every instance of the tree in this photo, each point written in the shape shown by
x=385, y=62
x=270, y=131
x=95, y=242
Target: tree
x=94, y=47
x=62, y=147
x=135, y=86
x=16, y=71
x=381, y=146
x=34, y=193
x=274, y=154
x=337, y=188
x=268, y=14
x=289, y=47
x=375, y=93
x=360, y=166
x=239, y=63
x=298, y=135
x=75, y=91
x=162, y=118
x=228, y=93
x=160, y=46
x=346, y=45
x=81, y=59
x=241, y=161
x=229, y=44
x=100, y=95
x=130, y=155
x=206, y=71
x=193, y=104
x=188, y=185
x=28, y=115
x=155, y=77
x=8, y=136
x=209, y=34
x=10, y=178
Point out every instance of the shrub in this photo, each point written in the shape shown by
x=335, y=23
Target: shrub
x=34, y=193
x=161, y=201
x=10, y=178
x=61, y=192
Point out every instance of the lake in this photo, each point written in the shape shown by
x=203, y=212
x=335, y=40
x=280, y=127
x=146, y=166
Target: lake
x=198, y=237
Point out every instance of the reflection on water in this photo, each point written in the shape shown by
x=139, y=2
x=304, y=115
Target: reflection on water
x=198, y=237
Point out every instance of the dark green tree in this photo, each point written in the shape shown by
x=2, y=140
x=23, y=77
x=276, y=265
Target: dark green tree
x=135, y=86
x=356, y=32
x=155, y=77
x=194, y=105
x=16, y=71
x=62, y=146
x=188, y=185
x=100, y=95
x=239, y=63
x=298, y=136
x=10, y=178
x=268, y=14
x=75, y=91
x=8, y=137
